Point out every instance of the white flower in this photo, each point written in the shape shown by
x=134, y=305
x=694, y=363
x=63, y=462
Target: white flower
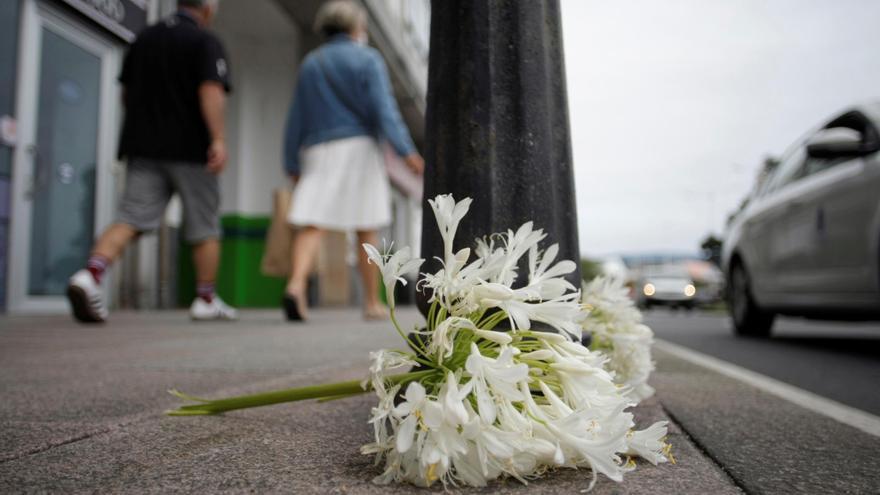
x=481, y=464
x=380, y=415
x=594, y=439
x=616, y=328
x=539, y=355
x=518, y=403
x=443, y=337
x=381, y=362
x=516, y=245
x=451, y=285
x=448, y=214
x=417, y=408
x=500, y=338
x=393, y=267
x=493, y=378
x=585, y=385
x=451, y=398
x=545, y=280
x=649, y=443
x=430, y=437
x=562, y=314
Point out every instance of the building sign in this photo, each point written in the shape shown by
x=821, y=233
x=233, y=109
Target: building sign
x=124, y=18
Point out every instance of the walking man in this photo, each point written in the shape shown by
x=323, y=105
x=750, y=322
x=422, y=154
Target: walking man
x=175, y=78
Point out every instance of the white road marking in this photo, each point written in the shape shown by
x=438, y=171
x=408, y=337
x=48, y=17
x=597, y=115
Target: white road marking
x=851, y=416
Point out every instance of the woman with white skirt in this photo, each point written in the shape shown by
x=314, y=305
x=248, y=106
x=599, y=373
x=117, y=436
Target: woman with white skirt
x=341, y=108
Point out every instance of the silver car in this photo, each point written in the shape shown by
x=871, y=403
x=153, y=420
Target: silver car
x=807, y=242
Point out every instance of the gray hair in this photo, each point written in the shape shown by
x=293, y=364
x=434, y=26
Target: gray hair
x=339, y=16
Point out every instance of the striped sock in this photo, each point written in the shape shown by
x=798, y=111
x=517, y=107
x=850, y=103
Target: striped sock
x=97, y=265
x=205, y=291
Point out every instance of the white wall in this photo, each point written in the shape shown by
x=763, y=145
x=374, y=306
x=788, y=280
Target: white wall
x=264, y=50
x=407, y=25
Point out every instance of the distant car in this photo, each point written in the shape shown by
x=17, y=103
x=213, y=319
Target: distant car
x=807, y=242
x=665, y=285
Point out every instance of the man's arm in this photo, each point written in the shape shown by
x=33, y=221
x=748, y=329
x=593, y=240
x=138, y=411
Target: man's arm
x=212, y=97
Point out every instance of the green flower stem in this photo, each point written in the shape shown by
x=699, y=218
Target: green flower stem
x=418, y=347
x=330, y=390
x=337, y=397
x=535, y=364
x=477, y=316
x=493, y=320
x=440, y=316
x=431, y=312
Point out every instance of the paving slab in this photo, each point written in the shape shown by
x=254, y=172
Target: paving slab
x=85, y=411
x=298, y=448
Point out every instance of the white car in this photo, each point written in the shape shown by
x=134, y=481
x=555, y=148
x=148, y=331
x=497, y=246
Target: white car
x=665, y=285
x=807, y=242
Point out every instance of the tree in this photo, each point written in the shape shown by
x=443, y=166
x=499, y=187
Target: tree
x=711, y=247
x=590, y=269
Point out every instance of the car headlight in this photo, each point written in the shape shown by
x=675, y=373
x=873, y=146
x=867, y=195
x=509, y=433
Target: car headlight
x=690, y=290
x=649, y=289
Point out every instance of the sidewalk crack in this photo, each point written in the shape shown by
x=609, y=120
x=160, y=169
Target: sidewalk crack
x=702, y=448
x=6, y=458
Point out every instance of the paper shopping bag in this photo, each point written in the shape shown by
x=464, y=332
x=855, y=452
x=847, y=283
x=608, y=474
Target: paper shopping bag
x=276, y=257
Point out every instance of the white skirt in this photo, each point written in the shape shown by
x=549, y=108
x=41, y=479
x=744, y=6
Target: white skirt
x=343, y=186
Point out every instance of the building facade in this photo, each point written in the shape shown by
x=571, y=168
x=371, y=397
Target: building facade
x=60, y=115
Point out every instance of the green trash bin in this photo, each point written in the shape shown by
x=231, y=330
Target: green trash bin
x=239, y=280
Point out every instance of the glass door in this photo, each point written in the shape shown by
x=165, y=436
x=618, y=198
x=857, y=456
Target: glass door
x=62, y=171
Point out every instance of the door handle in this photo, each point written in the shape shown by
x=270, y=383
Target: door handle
x=40, y=175
x=31, y=186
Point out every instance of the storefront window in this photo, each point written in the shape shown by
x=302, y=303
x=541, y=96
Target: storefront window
x=9, y=14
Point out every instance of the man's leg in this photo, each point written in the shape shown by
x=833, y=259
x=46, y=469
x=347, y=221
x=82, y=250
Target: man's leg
x=206, y=257
x=199, y=191
x=108, y=247
x=369, y=276
x=146, y=194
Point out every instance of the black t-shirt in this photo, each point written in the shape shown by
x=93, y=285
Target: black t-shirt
x=161, y=74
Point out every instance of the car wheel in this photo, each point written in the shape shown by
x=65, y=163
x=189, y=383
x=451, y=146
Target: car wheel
x=748, y=318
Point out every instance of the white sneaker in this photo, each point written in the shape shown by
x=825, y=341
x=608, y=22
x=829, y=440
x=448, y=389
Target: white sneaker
x=214, y=310
x=86, y=299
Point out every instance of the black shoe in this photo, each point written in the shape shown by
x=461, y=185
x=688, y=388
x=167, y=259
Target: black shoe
x=291, y=308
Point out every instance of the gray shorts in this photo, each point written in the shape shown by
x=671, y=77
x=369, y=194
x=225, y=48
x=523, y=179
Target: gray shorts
x=149, y=185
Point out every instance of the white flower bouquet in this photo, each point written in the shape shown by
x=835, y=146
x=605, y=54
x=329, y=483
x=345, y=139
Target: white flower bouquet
x=616, y=329
x=480, y=403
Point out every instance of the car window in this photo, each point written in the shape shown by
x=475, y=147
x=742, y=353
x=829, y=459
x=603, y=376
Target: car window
x=795, y=164
x=816, y=165
x=790, y=169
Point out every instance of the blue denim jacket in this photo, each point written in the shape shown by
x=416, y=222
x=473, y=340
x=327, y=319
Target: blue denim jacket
x=317, y=114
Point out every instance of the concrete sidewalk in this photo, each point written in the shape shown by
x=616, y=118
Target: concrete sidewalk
x=82, y=410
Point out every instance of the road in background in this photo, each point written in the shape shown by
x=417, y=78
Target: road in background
x=840, y=361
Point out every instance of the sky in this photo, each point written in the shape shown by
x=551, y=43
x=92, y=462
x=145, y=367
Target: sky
x=675, y=103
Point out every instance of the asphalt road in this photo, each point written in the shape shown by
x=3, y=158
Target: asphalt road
x=840, y=361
